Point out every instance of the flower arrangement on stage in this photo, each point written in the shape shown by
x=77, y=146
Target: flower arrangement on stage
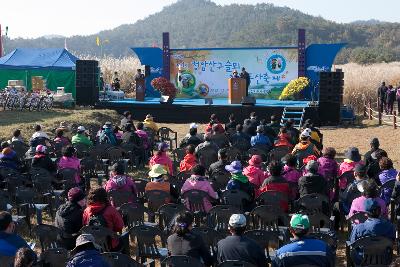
x=293, y=88
x=164, y=86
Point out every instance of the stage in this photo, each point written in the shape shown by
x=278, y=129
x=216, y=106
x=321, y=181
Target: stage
x=194, y=110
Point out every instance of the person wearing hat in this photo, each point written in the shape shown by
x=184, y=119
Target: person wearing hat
x=119, y=181
x=239, y=181
x=42, y=159
x=149, y=123
x=8, y=159
x=66, y=128
x=352, y=158
x=99, y=212
x=107, y=135
x=254, y=172
x=69, y=217
x=260, y=140
x=312, y=182
x=195, y=128
x=10, y=241
x=86, y=253
x=126, y=119
x=303, y=251
x=70, y=161
x=369, y=190
x=158, y=175
x=238, y=247
x=368, y=157
x=305, y=148
x=388, y=174
x=81, y=138
x=199, y=181
x=161, y=157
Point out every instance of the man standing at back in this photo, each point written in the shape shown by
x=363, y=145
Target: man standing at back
x=382, y=96
x=245, y=75
x=238, y=247
x=303, y=251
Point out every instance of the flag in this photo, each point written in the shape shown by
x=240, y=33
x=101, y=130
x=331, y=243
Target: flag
x=65, y=44
x=98, y=41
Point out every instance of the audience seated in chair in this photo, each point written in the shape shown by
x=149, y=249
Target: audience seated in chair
x=70, y=161
x=328, y=166
x=162, y=158
x=352, y=158
x=158, y=175
x=149, y=123
x=283, y=139
x=81, y=138
x=388, y=174
x=189, y=161
x=260, y=139
x=69, y=217
x=192, y=139
x=214, y=121
x=42, y=159
x=238, y=247
x=86, y=253
x=303, y=251
x=254, y=172
x=312, y=182
x=239, y=181
x=99, y=212
x=10, y=242
x=184, y=242
x=198, y=181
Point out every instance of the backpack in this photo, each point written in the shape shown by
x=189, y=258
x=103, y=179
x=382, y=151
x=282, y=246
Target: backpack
x=97, y=219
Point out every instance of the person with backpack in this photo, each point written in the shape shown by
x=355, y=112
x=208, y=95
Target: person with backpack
x=305, y=147
x=99, y=212
x=120, y=182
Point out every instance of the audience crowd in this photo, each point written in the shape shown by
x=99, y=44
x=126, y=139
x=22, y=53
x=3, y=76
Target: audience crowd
x=258, y=191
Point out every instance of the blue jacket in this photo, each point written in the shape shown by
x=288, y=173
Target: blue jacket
x=10, y=243
x=304, y=252
x=260, y=139
x=88, y=258
x=373, y=227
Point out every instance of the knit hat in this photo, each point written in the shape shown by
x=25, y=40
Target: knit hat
x=234, y=167
x=255, y=160
x=306, y=133
x=237, y=221
x=353, y=154
x=157, y=170
x=75, y=194
x=300, y=221
x=41, y=149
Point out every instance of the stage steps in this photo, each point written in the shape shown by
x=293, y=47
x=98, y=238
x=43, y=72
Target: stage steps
x=295, y=113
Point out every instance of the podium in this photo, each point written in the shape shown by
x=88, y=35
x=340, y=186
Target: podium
x=236, y=90
x=140, y=89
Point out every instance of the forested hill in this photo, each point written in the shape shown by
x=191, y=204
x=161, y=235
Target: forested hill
x=202, y=23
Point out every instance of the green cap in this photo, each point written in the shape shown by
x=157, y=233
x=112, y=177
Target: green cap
x=300, y=221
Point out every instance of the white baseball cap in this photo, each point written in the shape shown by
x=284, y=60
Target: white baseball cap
x=81, y=129
x=193, y=125
x=237, y=220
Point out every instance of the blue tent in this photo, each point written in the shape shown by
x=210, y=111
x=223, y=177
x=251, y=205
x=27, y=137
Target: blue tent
x=56, y=65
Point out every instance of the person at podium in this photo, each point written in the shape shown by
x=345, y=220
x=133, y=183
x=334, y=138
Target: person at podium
x=245, y=75
x=139, y=75
x=235, y=74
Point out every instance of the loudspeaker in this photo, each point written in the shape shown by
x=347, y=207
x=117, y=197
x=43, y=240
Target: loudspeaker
x=147, y=71
x=87, y=82
x=248, y=101
x=329, y=113
x=331, y=87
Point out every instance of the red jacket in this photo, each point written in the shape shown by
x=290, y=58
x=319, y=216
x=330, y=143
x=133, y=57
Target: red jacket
x=277, y=184
x=188, y=162
x=110, y=214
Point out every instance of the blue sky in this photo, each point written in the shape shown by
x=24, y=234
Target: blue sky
x=28, y=18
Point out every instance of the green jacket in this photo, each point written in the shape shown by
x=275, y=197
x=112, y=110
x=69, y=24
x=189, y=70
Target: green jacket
x=81, y=139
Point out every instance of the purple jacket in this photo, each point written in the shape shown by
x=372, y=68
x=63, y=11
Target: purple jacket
x=358, y=205
x=327, y=168
x=122, y=183
x=200, y=183
x=291, y=174
x=384, y=177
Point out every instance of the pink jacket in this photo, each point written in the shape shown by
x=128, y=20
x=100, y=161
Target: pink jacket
x=71, y=163
x=121, y=183
x=162, y=159
x=200, y=183
x=327, y=167
x=291, y=174
x=255, y=174
x=358, y=205
x=346, y=166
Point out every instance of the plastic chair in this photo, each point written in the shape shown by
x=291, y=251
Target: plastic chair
x=268, y=240
x=133, y=213
x=195, y=200
x=25, y=199
x=68, y=177
x=119, y=260
x=157, y=198
x=167, y=135
x=167, y=214
x=236, y=198
x=209, y=236
x=236, y=264
x=119, y=197
x=272, y=199
x=375, y=251
x=218, y=217
x=147, y=245
x=102, y=235
x=140, y=187
x=181, y=261
x=54, y=257
x=266, y=218
x=328, y=237
x=313, y=203
x=48, y=236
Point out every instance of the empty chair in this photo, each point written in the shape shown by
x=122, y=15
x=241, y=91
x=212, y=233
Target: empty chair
x=218, y=217
x=119, y=260
x=313, y=203
x=167, y=213
x=102, y=235
x=119, y=197
x=268, y=218
x=48, y=236
x=209, y=236
x=133, y=213
x=140, y=187
x=236, y=198
x=182, y=261
x=268, y=240
x=167, y=135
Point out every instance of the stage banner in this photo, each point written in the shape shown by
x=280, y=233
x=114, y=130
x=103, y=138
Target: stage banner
x=203, y=73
